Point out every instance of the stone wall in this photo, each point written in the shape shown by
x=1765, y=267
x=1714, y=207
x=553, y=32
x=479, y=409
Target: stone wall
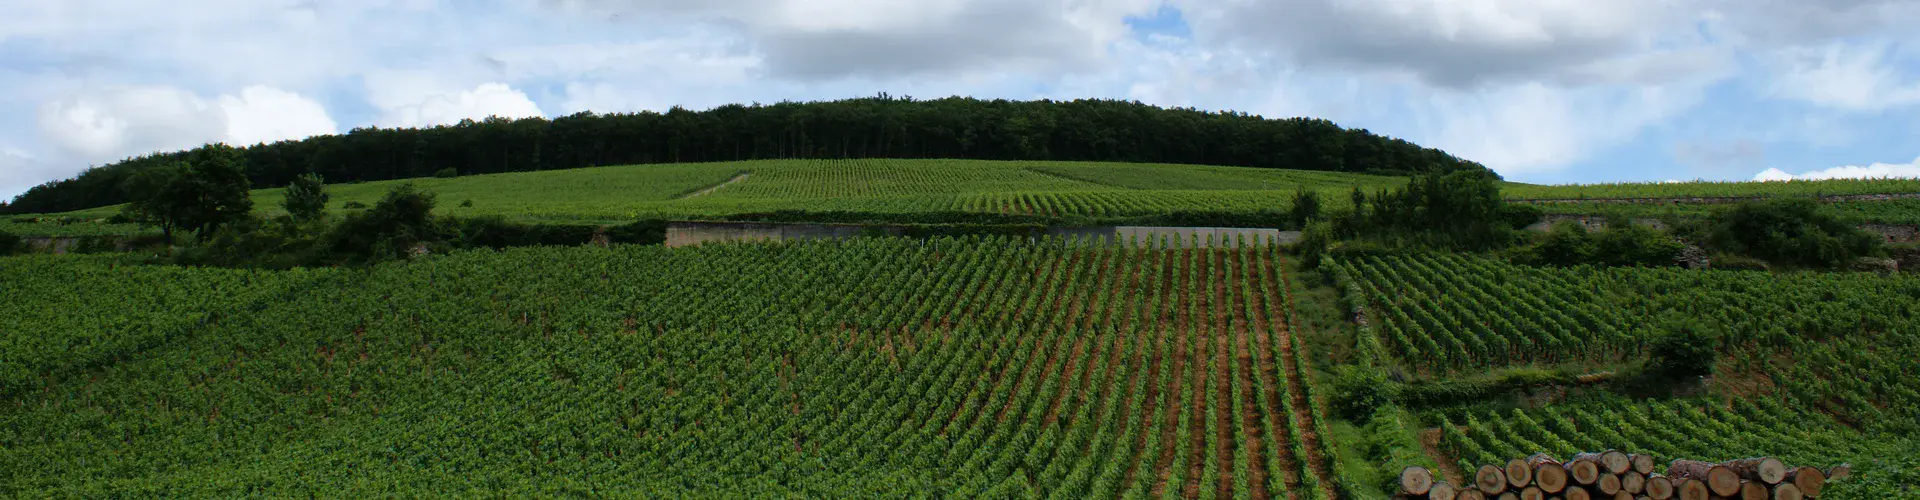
x=680, y=234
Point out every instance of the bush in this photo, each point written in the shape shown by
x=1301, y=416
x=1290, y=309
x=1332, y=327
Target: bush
x=390, y=230
x=446, y=173
x=353, y=205
x=10, y=243
x=1796, y=231
x=1623, y=243
x=1684, y=349
x=466, y=204
x=280, y=243
x=306, y=198
x=1360, y=390
x=1306, y=206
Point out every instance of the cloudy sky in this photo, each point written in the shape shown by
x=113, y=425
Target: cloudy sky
x=1549, y=91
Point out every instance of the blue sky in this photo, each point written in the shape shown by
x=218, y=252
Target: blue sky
x=1549, y=91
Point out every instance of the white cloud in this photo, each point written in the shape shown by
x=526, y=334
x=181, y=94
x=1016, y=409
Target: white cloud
x=486, y=100
x=1874, y=171
x=122, y=122
x=265, y=114
x=101, y=125
x=1847, y=76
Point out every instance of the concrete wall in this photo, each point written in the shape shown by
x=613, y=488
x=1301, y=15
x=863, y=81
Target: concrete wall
x=680, y=234
x=1204, y=237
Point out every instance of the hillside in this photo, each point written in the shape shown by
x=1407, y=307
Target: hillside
x=887, y=190
x=1059, y=193
x=885, y=367
x=882, y=127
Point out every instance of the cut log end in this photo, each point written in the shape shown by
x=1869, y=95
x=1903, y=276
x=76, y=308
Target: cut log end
x=1608, y=484
x=1659, y=487
x=1551, y=478
x=1788, y=492
x=1533, y=493
x=1752, y=490
x=1416, y=481
x=1442, y=490
x=1616, y=462
x=1469, y=494
x=1584, y=472
x=1767, y=470
x=1717, y=478
x=1633, y=482
x=1642, y=463
x=1839, y=471
x=1808, y=479
x=1578, y=494
x=1490, y=480
x=1690, y=489
x=1519, y=474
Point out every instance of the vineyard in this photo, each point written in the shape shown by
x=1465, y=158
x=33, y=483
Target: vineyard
x=869, y=367
x=1712, y=189
x=900, y=190
x=1813, y=368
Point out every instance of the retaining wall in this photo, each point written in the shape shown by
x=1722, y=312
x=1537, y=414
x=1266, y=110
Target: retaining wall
x=680, y=234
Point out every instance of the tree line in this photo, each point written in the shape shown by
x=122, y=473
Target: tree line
x=874, y=127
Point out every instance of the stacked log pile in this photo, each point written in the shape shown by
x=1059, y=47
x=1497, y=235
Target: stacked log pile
x=1615, y=475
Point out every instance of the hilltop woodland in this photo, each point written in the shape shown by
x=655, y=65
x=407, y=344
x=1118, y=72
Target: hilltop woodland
x=338, y=338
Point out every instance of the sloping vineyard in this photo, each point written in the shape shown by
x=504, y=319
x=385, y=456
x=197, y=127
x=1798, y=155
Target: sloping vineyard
x=1709, y=430
x=1445, y=313
x=857, y=368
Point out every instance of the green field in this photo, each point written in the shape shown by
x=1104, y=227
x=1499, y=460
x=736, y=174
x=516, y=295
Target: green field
x=902, y=190
x=877, y=186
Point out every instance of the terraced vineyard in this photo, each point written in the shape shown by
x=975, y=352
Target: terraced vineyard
x=853, y=368
x=1449, y=313
x=707, y=190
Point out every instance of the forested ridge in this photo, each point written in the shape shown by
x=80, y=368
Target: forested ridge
x=874, y=127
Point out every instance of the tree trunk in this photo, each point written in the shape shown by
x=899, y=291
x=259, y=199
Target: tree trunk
x=1469, y=494
x=1533, y=493
x=1577, y=493
x=1809, y=480
x=1415, y=481
x=1754, y=490
x=1839, y=471
x=1718, y=479
x=1617, y=462
x=1490, y=480
x=1585, y=468
x=1519, y=474
x=1547, y=473
x=1690, y=489
x=1659, y=487
x=1766, y=470
x=1442, y=490
x=1608, y=484
x=1788, y=491
x=1642, y=463
x=1633, y=482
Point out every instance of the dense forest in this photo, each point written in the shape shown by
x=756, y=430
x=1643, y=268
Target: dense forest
x=875, y=127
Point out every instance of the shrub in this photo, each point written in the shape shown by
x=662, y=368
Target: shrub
x=354, y=205
x=466, y=204
x=10, y=243
x=1796, y=231
x=1359, y=390
x=391, y=229
x=1306, y=207
x=306, y=197
x=447, y=173
x=1684, y=349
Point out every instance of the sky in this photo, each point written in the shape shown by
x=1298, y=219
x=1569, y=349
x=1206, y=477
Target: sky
x=1542, y=91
